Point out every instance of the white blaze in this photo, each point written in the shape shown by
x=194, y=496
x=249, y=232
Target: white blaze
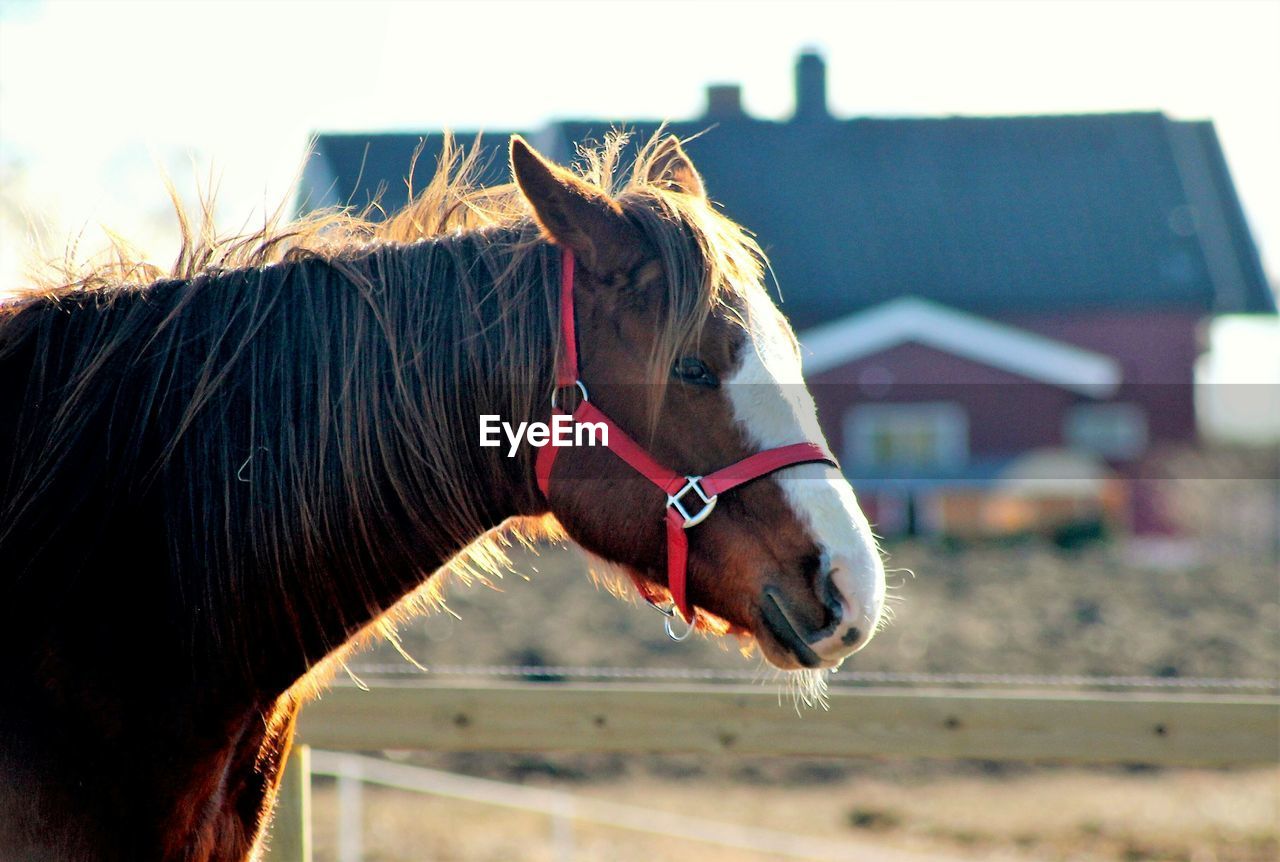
x=773, y=406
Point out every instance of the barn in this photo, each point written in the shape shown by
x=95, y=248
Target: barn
x=1001, y=315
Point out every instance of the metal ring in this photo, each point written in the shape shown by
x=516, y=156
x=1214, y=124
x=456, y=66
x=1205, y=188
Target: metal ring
x=581, y=388
x=668, y=611
x=670, y=630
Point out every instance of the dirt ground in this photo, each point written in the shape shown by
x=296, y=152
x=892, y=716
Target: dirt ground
x=1033, y=814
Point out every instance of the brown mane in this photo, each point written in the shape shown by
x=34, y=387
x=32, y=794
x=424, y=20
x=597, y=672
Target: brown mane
x=722, y=256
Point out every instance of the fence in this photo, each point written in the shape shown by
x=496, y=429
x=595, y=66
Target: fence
x=1167, y=729
x=352, y=771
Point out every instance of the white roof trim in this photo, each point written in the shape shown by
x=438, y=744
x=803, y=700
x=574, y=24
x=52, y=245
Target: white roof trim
x=959, y=333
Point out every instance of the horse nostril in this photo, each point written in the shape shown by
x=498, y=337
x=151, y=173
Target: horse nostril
x=831, y=597
x=812, y=566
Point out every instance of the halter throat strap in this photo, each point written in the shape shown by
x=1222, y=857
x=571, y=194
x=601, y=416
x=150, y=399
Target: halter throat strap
x=689, y=499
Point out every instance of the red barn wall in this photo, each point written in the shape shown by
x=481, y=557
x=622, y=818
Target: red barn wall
x=1157, y=352
x=1009, y=413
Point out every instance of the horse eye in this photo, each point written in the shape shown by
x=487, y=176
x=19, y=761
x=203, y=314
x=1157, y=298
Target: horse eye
x=691, y=370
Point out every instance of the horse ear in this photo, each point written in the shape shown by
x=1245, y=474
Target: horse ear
x=573, y=213
x=672, y=167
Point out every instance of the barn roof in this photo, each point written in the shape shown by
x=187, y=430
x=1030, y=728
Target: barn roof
x=991, y=215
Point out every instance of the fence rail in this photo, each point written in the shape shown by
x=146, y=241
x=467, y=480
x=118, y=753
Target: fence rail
x=1164, y=729
x=404, y=671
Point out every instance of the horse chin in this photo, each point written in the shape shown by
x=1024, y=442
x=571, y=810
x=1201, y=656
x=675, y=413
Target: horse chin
x=784, y=649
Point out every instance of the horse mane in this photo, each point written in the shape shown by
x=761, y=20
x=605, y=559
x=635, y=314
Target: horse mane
x=451, y=202
x=210, y=422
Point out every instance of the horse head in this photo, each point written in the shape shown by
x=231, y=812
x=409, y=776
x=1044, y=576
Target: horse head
x=680, y=345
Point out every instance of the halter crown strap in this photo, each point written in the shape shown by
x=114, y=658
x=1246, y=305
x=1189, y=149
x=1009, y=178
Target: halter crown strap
x=567, y=372
x=690, y=499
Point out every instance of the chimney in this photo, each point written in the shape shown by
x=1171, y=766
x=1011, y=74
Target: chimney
x=811, y=87
x=724, y=102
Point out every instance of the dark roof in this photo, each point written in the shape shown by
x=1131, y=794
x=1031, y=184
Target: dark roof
x=356, y=169
x=991, y=215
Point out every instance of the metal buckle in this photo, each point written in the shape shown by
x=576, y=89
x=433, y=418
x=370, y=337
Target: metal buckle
x=692, y=483
x=581, y=388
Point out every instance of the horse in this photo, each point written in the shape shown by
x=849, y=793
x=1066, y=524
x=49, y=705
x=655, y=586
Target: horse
x=215, y=479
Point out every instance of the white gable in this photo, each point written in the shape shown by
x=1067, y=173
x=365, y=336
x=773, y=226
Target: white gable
x=959, y=333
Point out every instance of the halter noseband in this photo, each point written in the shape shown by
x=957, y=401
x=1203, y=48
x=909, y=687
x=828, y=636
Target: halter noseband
x=690, y=499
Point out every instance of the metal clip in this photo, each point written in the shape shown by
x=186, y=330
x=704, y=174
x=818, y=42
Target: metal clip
x=668, y=611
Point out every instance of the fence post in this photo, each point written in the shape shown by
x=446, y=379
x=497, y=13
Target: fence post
x=290, y=839
x=350, y=811
x=562, y=830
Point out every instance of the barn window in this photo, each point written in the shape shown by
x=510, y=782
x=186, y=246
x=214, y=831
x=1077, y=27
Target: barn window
x=934, y=434
x=1116, y=431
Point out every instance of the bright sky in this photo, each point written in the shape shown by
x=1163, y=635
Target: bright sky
x=94, y=95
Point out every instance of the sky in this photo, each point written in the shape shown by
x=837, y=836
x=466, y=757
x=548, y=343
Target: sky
x=97, y=98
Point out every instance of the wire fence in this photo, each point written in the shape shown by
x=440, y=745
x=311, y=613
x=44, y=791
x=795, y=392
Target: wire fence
x=842, y=678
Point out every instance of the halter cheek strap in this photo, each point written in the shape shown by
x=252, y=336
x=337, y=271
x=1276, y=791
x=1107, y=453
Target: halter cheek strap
x=690, y=499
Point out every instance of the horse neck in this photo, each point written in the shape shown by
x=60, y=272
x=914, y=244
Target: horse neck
x=347, y=468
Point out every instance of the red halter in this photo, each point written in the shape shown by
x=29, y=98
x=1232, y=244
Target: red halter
x=690, y=499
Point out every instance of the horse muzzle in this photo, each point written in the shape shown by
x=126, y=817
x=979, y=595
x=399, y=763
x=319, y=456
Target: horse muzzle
x=844, y=626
